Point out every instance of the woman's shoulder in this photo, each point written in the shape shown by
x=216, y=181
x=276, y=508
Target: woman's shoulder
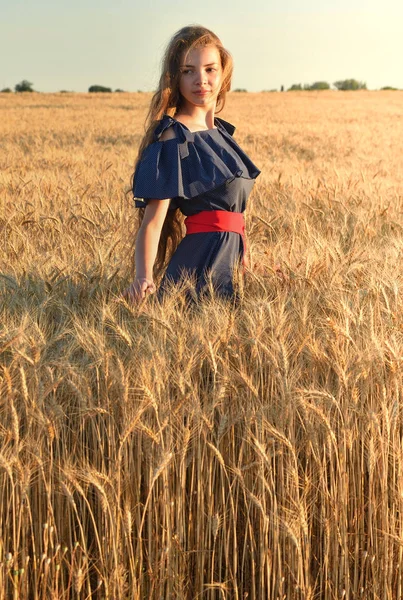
x=165, y=129
x=168, y=134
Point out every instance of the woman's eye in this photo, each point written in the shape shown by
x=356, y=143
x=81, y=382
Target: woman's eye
x=186, y=71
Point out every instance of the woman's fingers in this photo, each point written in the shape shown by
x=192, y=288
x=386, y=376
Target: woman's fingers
x=139, y=289
x=151, y=288
x=132, y=293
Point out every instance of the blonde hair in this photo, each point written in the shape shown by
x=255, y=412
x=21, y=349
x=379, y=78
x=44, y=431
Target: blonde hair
x=167, y=100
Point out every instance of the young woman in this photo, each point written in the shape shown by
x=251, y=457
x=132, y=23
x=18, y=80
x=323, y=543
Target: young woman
x=189, y=164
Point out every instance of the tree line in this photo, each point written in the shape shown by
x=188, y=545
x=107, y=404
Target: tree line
x=26, y=86
x=342, y=85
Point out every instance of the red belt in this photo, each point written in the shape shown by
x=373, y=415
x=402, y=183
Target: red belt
x=217, y=220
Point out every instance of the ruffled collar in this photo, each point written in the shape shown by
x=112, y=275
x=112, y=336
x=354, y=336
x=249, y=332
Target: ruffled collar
x=191, y=163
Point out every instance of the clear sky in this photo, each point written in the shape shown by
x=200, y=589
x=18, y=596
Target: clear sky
x=72, y=44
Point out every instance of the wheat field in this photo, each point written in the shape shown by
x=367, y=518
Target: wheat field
x=152, y=452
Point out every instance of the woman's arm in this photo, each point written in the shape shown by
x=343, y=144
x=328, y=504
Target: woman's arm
x=148, y=237
x=147, y=241
x=146, y=249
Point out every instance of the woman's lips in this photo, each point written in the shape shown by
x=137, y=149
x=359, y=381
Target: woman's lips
x=203, y=93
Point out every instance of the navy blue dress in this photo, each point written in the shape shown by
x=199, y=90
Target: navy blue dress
x=198, y=171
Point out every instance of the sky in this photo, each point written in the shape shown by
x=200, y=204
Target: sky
x=72, y=44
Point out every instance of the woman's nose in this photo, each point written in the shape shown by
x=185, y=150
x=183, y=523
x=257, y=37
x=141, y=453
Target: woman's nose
x=201, y=76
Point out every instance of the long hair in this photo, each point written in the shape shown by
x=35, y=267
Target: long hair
x=167, y=100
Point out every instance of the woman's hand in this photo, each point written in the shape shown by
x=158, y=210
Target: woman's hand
x=139, y=289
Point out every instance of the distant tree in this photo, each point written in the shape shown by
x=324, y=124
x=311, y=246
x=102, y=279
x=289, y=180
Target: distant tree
x=6, y=91
x=350, y=84
x=387, y=87
x=139, y=91
x=119, y=90
x=240, y=90
x=307, y=87
x=282, y=88
x=99, y=88
x=320, y=85
x=24, y=86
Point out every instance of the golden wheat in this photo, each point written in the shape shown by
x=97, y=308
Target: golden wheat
x=149, y=452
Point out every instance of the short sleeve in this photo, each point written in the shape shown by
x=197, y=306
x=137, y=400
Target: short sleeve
x=155, y=175
x=157, y=169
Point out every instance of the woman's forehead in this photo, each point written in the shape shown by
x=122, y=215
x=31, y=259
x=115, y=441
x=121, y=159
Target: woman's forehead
x=206, y=54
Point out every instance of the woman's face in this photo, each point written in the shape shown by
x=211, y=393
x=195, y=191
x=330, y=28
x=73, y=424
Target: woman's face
x=201, y=72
